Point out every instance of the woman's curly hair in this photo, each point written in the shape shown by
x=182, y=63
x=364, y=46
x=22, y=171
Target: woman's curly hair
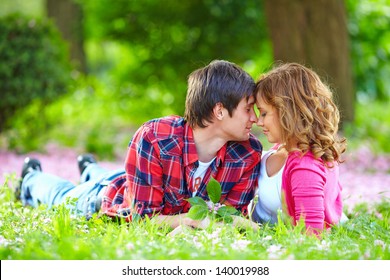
x=309, y=118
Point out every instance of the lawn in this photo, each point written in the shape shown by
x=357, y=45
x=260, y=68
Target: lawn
x=57, y=234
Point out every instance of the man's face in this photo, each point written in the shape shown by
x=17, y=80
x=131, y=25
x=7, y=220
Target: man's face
x=239, y=125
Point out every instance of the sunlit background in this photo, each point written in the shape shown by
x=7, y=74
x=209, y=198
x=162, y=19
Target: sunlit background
x=86, y=73
x=82, y=75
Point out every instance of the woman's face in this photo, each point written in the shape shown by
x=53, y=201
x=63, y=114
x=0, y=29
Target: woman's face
x=269, y=121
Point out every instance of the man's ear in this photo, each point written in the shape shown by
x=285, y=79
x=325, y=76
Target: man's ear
x=218, y=111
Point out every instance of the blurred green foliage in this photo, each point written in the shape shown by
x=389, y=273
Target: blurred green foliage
x=32, y=8
x=85, y=117
x=162, y=42
x=141, y=52
x=34, y=64
x=368, y=25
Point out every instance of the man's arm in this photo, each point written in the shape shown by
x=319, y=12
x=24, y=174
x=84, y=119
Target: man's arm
x=140, y=191
x=144, y=175
x=180, y=220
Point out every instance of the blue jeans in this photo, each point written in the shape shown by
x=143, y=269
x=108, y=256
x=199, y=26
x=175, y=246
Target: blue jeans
x=43, y=188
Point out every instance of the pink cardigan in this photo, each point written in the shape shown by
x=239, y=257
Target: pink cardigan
x=312, y=191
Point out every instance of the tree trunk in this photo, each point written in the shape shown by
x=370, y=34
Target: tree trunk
x=314, y=33
x=68, y=16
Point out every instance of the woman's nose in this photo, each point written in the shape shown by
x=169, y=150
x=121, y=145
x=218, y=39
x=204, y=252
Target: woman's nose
x=259, y=121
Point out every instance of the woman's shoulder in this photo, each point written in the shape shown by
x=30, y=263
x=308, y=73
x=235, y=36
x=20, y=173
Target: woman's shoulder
x=306, y=160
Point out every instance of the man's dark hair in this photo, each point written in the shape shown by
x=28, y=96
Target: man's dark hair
x=219, y=82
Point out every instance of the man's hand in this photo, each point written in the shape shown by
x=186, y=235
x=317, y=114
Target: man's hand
x=196, y=223
x=244, y=223
x=181, y=221
x=179, y=229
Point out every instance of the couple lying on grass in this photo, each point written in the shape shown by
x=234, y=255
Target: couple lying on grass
x=172, y=159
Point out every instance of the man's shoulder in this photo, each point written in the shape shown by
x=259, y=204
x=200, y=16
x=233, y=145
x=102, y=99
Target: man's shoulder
x=251, y=148
x=165, y=127
x=251, y=145
x=255, y=143
x=167, y=134
x=162, y=128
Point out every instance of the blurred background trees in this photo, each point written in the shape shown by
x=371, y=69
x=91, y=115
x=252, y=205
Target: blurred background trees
x=130, y=61
x=315, y=34
x=34, y=64
x=68, y=18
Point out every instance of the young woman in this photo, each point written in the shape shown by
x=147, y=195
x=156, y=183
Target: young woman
x=300, y=175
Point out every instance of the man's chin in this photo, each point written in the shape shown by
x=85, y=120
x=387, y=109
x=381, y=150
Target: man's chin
x=244, y=138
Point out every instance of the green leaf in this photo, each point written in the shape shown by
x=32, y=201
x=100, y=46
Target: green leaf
x=198, y=212
x=226, y=211
x=214, y=190
x=226, y=219
x=197, y=201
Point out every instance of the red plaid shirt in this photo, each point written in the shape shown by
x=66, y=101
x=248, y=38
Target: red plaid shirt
x=160, y=165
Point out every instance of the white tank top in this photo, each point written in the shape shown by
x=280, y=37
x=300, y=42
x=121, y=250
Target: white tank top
x=269, y=194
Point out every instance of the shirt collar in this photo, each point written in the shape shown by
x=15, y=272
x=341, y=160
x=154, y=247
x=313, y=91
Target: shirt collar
x=221, y=155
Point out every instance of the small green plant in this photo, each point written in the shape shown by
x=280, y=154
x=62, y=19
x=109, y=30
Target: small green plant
x=201, y=209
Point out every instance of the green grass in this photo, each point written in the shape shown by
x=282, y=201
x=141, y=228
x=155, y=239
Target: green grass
x=40, y=233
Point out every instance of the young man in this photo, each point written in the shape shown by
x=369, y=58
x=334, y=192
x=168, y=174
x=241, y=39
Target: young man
x=171, y=159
